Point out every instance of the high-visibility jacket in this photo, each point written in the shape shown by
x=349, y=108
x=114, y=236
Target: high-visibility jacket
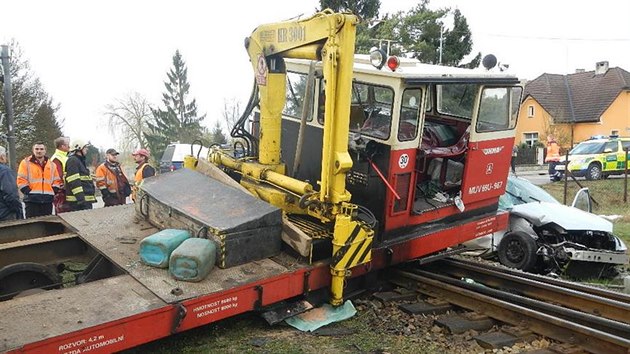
x=106, y=177
x=79, y=185
x=142, y=171
x=59, y=158
x=553, y=152
x=36, y=181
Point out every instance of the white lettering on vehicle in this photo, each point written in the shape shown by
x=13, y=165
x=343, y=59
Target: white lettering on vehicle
x=492, y=151
x=89, y=344
x=216, y=306
x=483, y=188
x=403, y=161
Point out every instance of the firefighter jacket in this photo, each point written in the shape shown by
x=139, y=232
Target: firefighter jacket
x=110, y=178
x=9, y=200
x=142, y=171
x=38, y=181
x=79, y=186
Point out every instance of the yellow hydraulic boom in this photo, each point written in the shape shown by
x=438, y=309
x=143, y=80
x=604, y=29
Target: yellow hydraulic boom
x=328, y=37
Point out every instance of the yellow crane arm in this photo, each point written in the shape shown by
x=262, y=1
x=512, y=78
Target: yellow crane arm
x=326, y=36
x=329, y=37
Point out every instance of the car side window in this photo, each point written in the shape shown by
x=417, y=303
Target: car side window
x=612, y=146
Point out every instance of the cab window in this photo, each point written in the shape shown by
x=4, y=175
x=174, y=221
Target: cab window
x=498, y=108
x=295, y=94
x=456, y=99
x=409, y=114
x=370, y=109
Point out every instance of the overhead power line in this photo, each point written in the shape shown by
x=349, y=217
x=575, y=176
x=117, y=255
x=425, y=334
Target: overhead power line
x=556, y=38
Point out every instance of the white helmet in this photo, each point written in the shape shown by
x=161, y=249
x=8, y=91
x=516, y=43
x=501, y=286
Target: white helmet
x=78, y=144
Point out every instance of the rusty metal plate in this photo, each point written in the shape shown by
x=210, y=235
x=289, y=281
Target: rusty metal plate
x=110, y=230
x=52, y=313
x=210, y=202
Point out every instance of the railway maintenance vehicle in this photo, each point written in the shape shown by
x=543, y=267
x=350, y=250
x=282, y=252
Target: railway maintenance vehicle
x=351, y=163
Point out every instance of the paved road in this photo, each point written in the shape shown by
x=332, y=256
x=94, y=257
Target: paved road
x=536, y=176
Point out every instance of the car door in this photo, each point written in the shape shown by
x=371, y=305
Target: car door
x=582, y=200
x=622, y=160
x=610, y=156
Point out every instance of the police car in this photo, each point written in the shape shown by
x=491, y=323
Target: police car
x=598, y=157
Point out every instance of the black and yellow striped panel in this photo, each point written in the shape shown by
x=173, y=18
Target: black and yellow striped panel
x=356, y=250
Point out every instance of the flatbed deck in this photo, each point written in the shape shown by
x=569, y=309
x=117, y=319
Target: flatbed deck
x=116, y=233
x=146, y=303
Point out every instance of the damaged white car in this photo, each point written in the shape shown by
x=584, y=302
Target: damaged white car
x=545, y=236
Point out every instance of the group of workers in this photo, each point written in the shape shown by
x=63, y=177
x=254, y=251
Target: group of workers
x=63, y=182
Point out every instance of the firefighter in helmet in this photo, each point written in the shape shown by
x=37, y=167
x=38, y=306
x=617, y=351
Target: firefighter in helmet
x=78, y=182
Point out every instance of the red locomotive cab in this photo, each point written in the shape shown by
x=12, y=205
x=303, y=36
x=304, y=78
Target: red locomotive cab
x=462, y=160
x=429, y=143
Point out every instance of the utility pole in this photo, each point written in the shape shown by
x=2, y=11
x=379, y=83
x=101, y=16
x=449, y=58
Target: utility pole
x=8, y=103
x=441, y=42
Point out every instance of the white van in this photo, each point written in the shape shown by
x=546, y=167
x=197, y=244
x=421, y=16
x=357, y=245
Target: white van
x=173, y=157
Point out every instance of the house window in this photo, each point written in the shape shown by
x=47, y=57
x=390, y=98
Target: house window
x=530, y=139
x=530, y=111
x=614, y=132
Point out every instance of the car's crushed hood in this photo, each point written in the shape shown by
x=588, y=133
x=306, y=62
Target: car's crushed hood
x=569, y=218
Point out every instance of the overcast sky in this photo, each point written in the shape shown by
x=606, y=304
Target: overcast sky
x=88, y=54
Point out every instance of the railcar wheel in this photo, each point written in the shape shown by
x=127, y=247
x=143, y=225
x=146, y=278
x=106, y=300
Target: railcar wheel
x=518, y=250
x=19, y=277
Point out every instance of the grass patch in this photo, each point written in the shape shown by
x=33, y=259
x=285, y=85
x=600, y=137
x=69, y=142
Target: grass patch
x=250, y=334
x=609, y=196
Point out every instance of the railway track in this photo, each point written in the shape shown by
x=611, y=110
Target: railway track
x=594, y=319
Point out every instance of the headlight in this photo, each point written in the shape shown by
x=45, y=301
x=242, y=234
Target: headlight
x=377, y=58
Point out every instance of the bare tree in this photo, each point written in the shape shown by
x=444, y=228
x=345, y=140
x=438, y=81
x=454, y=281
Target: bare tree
x=560, y=131
x=231, y=112
x=128, y=119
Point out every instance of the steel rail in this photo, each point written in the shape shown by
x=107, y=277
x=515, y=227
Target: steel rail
x=613, y=295
x=606, y=304
x=468, y=296
x=603, y=324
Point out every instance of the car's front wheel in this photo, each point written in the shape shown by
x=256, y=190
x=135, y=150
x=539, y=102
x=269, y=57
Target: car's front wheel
x=517, y=250
x=594, y=172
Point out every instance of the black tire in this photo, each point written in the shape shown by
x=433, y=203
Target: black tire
x=517, y=250
x=594, y=172
x=18, y=277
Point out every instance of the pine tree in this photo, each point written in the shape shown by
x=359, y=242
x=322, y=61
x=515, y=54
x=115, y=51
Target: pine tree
x=217, y=136
x=46, y=126
x=178, y=120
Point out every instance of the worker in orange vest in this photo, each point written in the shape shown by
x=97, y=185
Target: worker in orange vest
x=553, y=158
x=144, y=170
x=38, y=180
x=111, y=180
